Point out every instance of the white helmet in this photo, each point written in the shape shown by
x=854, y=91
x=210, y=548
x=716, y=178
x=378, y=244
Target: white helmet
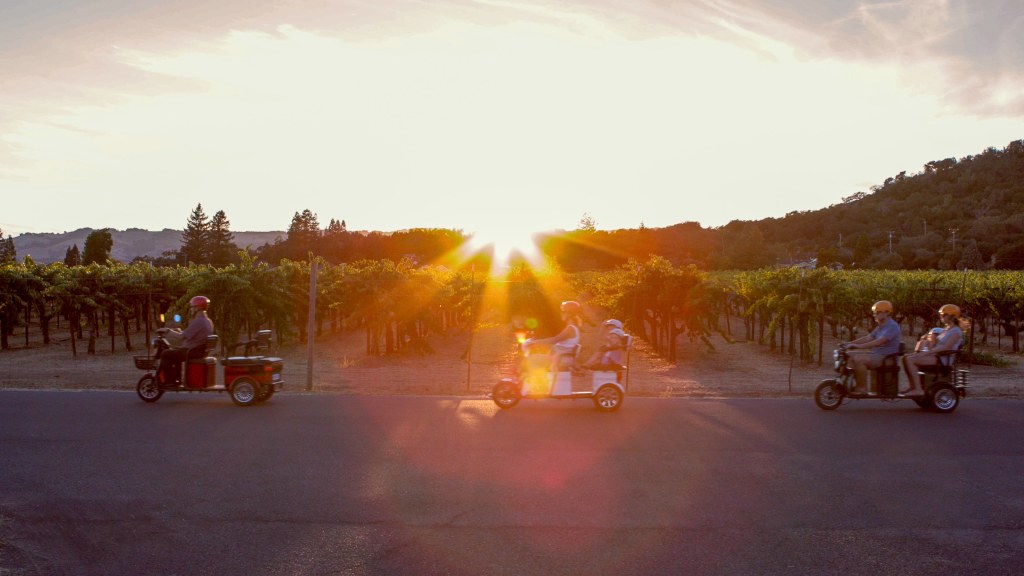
x=612, y=322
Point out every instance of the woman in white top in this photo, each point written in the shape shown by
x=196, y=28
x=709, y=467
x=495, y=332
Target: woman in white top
x=563, y=345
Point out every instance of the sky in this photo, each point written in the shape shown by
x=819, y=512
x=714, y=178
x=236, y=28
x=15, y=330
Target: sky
x=496, y=117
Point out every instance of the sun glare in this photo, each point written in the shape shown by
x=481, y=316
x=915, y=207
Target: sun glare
x=506, y=244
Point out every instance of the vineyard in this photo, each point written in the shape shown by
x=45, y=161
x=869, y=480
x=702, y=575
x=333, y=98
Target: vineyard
x=399, y=309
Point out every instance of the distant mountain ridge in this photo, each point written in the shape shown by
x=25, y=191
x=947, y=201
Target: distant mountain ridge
x=47, y=247
x=965, y=213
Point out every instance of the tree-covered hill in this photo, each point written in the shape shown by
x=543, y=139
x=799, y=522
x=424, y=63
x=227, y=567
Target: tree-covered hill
x=953, y=213
x=46, y=247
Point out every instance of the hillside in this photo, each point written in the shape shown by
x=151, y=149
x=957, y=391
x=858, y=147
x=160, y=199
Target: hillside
x=953, y=214
x=128, y=244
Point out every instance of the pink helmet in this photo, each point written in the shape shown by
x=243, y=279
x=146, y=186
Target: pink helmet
x=200, y=302
x=571, y=307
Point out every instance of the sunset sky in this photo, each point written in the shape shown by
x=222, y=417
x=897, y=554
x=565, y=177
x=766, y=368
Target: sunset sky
x=497, y=116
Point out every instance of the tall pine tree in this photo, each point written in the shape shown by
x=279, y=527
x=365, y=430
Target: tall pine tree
x=223, y=250
x=195, y=240
x=303, y=235
x=8, y=255
x=334, y=242
x=97, y=247
x=73, y=257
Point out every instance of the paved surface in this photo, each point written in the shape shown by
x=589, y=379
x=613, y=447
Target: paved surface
x=100, y=483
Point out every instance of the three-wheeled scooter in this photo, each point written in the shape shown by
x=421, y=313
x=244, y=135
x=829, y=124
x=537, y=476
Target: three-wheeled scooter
x=249, y=379
x=944, y=384
x=533, y=380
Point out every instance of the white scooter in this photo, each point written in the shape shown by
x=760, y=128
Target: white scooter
x=534, y=380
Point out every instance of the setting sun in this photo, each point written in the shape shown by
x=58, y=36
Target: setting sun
x=505, y=242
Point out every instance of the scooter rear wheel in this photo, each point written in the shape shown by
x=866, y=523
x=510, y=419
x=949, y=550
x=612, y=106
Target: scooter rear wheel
x=505, y=395
x=608, y=398
x=944, y=398
x=148, y=389
x=244, y=391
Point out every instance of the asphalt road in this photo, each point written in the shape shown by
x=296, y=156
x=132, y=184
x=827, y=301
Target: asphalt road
x=100, y=483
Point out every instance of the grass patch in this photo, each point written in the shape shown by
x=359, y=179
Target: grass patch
x=994, y=360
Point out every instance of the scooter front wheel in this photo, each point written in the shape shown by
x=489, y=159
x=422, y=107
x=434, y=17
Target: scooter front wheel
x=148, y=390
x=505, y=395
x=828, y=395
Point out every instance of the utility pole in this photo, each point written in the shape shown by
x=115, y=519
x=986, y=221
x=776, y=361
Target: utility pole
x=953, y=232
x=890, y=232
x=472, y=328
x=311, y=323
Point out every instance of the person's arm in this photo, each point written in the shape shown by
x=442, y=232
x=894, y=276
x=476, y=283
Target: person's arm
x=617, y=356
x=949, y=344
x=594, y=358
x=881, y=336
x=173, y=337
x=565, y=334
x=868, y=341
x=192, y=330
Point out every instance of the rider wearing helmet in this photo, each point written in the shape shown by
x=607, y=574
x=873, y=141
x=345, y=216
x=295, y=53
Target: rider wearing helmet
x=949, y=339
x=612, y=351
x=564, y=344
x=873, y=348
x=611, y=355
x=188, y=344
x=612, y=324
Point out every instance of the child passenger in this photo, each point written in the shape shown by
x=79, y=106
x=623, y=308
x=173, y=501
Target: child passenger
x=612, y=355
x=928, y=340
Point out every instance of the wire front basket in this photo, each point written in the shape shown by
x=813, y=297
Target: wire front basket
x=145, y=362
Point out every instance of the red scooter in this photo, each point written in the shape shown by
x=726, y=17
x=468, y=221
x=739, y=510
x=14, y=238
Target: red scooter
x=250, y=378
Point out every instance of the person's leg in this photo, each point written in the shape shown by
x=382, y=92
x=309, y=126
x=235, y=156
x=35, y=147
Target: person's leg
x=871, y=362
x=910, y=370
x=858, y=361
x=170, y=364
x=914, y=376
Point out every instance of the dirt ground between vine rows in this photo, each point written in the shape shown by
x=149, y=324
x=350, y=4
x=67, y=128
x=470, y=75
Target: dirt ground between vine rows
x=731, y=369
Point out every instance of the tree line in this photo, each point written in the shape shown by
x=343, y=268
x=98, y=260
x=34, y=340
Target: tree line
x=401, y=305
x=398, y=304
x=791, y=310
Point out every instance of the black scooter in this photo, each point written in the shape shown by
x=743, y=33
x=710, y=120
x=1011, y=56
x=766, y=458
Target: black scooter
x=944, y=384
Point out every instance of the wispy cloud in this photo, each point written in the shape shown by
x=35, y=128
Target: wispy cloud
x=357, y=106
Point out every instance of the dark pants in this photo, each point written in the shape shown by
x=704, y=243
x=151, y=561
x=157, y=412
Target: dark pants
x=171, y=359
